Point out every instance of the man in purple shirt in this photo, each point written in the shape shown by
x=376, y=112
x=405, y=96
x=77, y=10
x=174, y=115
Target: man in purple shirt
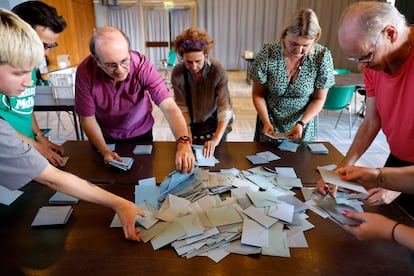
x=114, y=89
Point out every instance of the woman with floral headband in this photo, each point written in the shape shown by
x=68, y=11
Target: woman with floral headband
x=201, y=90
x=291, y=78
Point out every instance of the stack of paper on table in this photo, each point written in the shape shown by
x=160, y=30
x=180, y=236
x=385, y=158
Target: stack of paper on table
x=52, y=216
x=61, y=198
x=318, y=148
x=250, y=221
x=125, y=165
x=142, y=149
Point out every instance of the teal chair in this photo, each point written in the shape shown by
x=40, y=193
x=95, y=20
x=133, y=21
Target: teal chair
x=167, y=65
x=339, y=98
x=339, y=71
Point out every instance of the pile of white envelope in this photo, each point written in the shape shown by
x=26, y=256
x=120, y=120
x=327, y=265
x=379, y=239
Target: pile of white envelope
x=260, y=215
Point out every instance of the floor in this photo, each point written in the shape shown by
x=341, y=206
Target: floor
x=244, y=124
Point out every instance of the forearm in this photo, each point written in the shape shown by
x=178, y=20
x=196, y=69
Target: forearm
x=315, y=106
x=397, y=179
x=221, y=128
x=35, y=127
x=94, y=134
x=174, y=117
x=404, y=235
x=73, y=185
x=363, y=138
x=260, y=103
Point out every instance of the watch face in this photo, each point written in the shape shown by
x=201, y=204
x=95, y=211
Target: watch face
x=184, y=139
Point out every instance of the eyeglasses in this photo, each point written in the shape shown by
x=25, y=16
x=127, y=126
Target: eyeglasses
x=370, y=56
x=50, y=46
x=113, y=66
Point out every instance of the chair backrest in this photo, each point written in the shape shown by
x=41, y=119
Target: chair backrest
x=339, y=71
x=339, y=97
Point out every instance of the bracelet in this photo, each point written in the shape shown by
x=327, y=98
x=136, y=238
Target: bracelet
x=381, y=178
x=393, y=231
x=301, y=123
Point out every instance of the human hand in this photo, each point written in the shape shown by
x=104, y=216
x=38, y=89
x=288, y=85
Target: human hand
x=127, y=212
x=367, y=177
x=56, y=148
x=373, y=226
x=184, y=158
x=295, y=132
x=268, y=129
x=209, y=147
x=324, y=188
x=53, y=157
x=378, y=196
x=109, y=155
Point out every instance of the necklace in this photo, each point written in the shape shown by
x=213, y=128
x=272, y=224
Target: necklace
x=294, y=69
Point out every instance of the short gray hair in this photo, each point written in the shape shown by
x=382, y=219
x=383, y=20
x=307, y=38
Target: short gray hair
x=373, y=17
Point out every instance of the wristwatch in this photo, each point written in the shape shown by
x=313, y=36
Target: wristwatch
x=184, y=140
x=301, y=123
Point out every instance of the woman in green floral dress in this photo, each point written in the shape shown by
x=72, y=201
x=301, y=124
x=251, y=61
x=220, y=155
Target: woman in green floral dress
x=291, y=79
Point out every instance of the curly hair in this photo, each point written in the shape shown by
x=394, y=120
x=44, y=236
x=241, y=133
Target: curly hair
x=193, y=40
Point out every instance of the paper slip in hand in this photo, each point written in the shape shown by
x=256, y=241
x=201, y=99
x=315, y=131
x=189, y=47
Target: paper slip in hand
x=318, y=148
x=142, y=149
x=335, y=211
x=278, y=136
x=335, y=179
x=52, y=216
x=64, y=161
x=125, y=165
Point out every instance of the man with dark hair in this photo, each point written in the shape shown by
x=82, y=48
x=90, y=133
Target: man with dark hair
x=18, y=111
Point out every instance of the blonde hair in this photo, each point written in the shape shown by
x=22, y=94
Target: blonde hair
x=21, y=46
x=303, y=22
x=193, y=40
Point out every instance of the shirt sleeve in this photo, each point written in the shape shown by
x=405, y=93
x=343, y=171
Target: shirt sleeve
x=259, y=68
x=84, y=102
x=19, y=162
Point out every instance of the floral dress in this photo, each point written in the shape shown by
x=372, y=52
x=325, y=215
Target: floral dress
x=286, y=102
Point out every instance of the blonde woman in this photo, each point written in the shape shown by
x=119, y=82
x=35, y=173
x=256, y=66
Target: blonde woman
x=291, y=79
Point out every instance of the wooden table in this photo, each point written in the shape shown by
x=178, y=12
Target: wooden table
x=87, y=246
x=87, y=162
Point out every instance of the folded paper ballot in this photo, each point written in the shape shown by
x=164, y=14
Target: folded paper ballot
x=335, y=179
x=125, y=165
x=335, y=211
x=61, y=198
x=52, y=216
x=318, y=148
x=278, y=136
x=142, y=149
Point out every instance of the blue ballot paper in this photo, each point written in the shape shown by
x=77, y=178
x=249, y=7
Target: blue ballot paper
x=177, y=181
x=125, y=165
x=288, y=146
x=61, y=198
x=50, y=216
x=142, y=149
